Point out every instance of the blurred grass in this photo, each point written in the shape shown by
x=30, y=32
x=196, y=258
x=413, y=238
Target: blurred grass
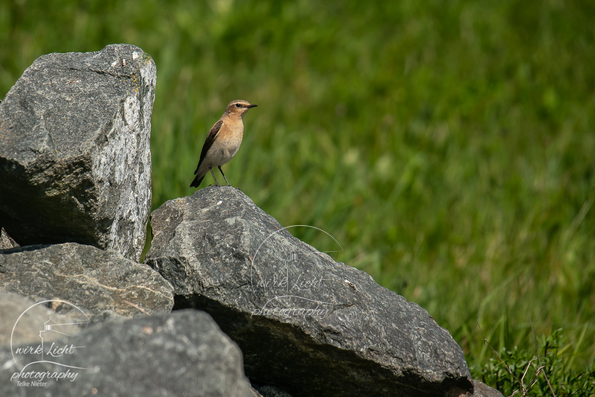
x=448, y=146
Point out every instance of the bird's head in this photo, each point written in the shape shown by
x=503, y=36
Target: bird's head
x=238, y=107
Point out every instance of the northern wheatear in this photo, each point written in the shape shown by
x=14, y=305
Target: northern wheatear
x=223, y=141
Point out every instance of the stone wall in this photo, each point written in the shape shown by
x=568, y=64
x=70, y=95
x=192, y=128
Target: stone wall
x=228, y=302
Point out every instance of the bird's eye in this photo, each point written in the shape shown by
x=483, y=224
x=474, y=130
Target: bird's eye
x=238, y=105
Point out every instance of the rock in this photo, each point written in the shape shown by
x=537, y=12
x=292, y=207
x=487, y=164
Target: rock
x=176, y=354
x=21, y=318
x=482, y=390
x=272, y=391
x=104, y=316
x=87, y=277
x=75, y=161
x=305, y=323
x=255, y=392
x=6, y=242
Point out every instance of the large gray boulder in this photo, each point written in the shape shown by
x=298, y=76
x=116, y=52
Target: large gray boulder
x=75, y=161
x=305, y=323
x=90, y=278
x=177, y=354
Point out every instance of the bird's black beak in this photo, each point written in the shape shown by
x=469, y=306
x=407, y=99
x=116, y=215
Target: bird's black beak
x=252, y=106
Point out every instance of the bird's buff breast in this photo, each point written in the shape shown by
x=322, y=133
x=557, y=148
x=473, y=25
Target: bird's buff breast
x=224, y=150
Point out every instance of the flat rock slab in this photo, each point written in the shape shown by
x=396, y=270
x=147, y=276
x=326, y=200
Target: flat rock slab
x=87, y=277
x=177, y=354
x=75, y=161
x=305, y=323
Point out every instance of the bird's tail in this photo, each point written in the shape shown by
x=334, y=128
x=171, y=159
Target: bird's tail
x=197, y=180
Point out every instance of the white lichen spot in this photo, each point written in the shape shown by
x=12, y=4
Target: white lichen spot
x=232, y=221
x=149, y=74
x=135, y=55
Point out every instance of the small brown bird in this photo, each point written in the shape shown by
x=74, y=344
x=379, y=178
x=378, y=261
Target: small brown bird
x=223, y=141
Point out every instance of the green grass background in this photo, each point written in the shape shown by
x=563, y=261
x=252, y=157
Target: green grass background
x=447, y=145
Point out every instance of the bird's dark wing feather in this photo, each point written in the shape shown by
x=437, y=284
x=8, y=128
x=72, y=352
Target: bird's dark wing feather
x=209, y=142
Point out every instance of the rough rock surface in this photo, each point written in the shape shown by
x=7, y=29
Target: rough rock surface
x=21, y=318
x=90, y=278
x=6, y=242
x=305, y=323
x=482, y=390
x=75, y=161
x=177, y=354
x=272, y=391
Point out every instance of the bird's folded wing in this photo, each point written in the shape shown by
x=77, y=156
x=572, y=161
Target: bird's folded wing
x=209, y=142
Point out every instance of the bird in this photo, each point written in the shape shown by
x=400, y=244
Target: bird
x=223, y=141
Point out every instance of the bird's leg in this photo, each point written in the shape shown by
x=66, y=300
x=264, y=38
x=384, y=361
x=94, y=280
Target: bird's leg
x=212, y=173
x=224, y=176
